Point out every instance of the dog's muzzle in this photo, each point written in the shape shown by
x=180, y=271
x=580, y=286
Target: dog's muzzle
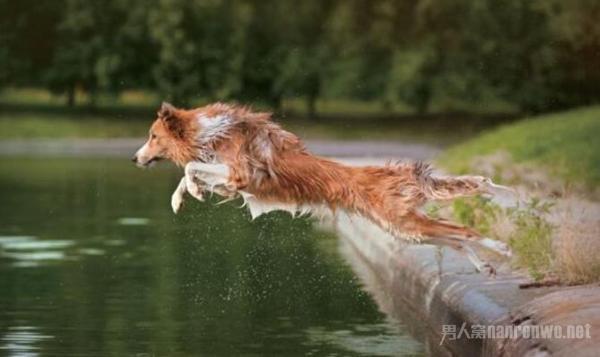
x=147, y=163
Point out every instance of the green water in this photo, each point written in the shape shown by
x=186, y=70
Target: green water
x=93, y=262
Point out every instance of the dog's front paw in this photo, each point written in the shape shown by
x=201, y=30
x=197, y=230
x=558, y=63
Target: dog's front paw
x=197, y=192
x=195, y=189
x=176, y=202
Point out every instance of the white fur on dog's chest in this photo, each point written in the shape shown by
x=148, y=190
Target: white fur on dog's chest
x=258, y=207
x=217, y=174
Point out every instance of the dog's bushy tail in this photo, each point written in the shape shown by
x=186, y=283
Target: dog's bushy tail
x=451, y=187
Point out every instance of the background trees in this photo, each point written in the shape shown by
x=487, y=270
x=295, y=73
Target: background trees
x=536, y=55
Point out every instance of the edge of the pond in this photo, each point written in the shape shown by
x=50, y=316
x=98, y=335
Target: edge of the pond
x=430, y=287
x=125, y=147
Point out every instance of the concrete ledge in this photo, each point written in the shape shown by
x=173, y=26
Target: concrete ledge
x=433, y=286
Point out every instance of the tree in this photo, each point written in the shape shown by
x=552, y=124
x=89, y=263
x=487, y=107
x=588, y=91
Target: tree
x=537, y=55
x=28, y=41
x=307, y=56
x=200, y=48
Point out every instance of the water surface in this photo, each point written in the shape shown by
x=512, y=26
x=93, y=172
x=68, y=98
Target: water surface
x=93, y=263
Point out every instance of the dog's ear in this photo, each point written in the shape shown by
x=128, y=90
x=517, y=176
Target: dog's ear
x=166, y=110
x=168, y=114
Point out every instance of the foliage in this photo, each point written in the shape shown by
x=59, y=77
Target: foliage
x=476, y=212
x=536, y=55
x=530, y=236
x=532, y=239
x=565, y=142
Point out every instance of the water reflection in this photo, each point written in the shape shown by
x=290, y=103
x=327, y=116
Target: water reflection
x=133, y=221
x=91, y=254
x=369, y=339
x=22, y=341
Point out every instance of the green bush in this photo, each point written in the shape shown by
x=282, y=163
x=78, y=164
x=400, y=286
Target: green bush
x=531, y=235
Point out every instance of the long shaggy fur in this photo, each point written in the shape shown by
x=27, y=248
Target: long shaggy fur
x=273, y=166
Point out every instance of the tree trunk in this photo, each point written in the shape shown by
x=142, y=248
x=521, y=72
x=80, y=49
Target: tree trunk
x=71, y=96
x=92, y=98
x=423, y=98
x=314, y=88
x=386, y=105
x=311, y=106
x=277, y=102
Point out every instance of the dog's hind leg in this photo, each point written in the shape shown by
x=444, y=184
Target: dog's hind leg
x=462, y=247
x=417, y=223
x=479, y=264
x=437, y=231
x=423, y=225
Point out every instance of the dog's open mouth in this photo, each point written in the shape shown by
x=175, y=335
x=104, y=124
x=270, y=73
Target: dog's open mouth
x=153, y=160
x=150, y=162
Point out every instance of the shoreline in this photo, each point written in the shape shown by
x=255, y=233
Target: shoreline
x=436, y=286
x=125, y=147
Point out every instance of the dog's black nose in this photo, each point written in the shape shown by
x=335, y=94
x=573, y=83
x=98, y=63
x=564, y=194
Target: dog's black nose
x=134, y=158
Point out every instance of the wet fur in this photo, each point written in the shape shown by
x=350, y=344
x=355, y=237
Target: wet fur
x=273, y=167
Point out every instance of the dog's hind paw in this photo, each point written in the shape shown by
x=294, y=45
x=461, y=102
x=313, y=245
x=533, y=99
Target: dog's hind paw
x=480, y=265
x=497, y=246
x=488, y=269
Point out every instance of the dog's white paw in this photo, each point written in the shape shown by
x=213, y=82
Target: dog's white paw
x=176, y=201
x=480, y=265
x=497, y=246
x=194, y=189
x=197, y=193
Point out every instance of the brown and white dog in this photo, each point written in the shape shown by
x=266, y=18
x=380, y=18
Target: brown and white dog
x=231, y=150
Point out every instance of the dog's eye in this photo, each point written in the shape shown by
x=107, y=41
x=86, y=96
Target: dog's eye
x=153, y=136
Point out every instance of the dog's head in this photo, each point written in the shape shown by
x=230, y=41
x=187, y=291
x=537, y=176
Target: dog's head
x=169, y=138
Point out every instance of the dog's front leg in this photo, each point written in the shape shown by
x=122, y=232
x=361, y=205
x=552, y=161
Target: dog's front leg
x=177, y=197
x=212, y=175
x=215, y=176
x=193, y=186
x=187, y=184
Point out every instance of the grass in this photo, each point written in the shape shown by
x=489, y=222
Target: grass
x=41, y=97
x=81, y=124
x=548, y=239
x=565, y=143
x=27, y=126
x=532, y=240
x=526, y=230
x=27, y=113
x=577, y=251
x=31, y=125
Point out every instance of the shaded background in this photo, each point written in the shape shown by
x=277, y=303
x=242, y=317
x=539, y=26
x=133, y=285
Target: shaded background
x=92, y=260
x=407, y=56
